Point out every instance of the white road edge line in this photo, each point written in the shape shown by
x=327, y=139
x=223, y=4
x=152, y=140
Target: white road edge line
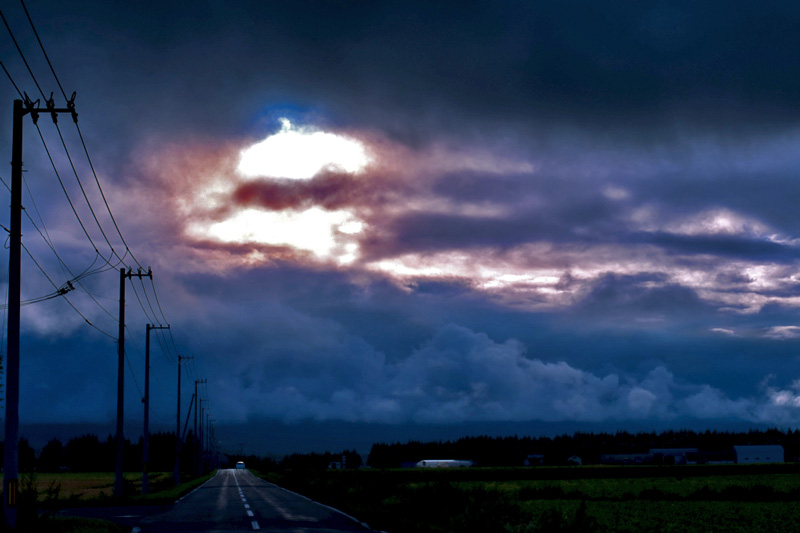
x=353, y=518
x=197, y=488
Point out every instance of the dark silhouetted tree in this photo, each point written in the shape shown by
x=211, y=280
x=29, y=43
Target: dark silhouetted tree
x=52, y=457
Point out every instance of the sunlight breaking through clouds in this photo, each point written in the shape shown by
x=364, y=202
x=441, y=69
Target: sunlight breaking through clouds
x=301, y=153
x=329, y=198
x=293, y=153
x=316, y=230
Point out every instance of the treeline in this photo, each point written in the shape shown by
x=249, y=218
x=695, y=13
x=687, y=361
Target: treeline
x=318, y=461
x=300, y=462
x=88, y=453
x=512, y=451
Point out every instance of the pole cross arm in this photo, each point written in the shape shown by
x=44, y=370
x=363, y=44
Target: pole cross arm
x=131, y=274
x=32, y=108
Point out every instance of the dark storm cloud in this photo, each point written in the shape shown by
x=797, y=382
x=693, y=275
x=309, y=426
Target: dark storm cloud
x=766, y=193
x=724, y=247
x=327, y=189
x=453, y=65
x=639, y=125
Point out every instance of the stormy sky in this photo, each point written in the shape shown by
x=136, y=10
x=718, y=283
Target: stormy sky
x=427, y=213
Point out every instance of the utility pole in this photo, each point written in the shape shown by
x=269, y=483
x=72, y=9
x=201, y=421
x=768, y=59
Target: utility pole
x=208, y=431
x=186, y=422
x=119, y=480
x=211, y=441
x=177, y=473
x=146, y=401
x=11, y=451
x=197, y=444
x=201, y=430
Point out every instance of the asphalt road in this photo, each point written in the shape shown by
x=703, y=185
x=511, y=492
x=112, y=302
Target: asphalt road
x=236, y=500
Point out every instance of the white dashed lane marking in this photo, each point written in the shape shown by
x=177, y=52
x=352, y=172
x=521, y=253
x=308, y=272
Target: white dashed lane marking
x=254, y=523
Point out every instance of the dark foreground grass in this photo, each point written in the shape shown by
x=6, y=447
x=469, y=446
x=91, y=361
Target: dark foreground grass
x=42, y=496
x=629, y=499
x=58, y=524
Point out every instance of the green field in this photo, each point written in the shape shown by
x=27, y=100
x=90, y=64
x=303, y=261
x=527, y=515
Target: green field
x=746, y=498
x=94, y=487
x=43, y=495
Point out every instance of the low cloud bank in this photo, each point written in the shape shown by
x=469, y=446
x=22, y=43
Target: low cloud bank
x=460, y=375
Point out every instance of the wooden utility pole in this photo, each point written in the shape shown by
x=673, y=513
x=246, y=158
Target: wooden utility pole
x=11, y=450
x=197, y=443
x=146, y=401
x=119, y=480
x=177, y=473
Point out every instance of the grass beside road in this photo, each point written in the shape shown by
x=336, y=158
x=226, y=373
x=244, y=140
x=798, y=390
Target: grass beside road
x=55, y=491
x=745, y=498
x=97, y=488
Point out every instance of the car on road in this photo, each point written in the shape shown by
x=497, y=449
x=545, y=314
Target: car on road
x=240, y=464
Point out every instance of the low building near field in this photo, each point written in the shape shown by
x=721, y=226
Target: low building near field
x=534, y=459
x=759, y=454
x=626, y=459
x=712, y=457
x=444, y=463
x=671, y=456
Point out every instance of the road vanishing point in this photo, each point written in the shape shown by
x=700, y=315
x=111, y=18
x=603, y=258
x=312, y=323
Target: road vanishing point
x=236, y=500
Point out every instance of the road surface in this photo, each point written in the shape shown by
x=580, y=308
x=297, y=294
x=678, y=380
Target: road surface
x=236, y=500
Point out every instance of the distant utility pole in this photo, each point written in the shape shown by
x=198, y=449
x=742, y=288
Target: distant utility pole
x=201, y=430
x=210, y=450
x=11, y=451
x=146, y=401
x=197, y=444
x=119, y=481
x=208, y=433
x=177, y=473
x=186, y=422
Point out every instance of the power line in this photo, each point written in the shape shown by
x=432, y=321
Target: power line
x=138, y=299
x=103, y=195
x=60, y=291
x=133, y=376
x=14, y=39
x=67, y=299
x=85, y=196
x=158, y=303
x=11, y=79
x=168, y=345
x=80, y=134
x=147, y=298
x=162, y=341
x=71, y=204
x=42, y=47
x=46, y=237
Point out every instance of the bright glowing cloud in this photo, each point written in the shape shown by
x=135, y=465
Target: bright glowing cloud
x=784, y=332
x=721, y=222
x=315, y=230
x=300, y=154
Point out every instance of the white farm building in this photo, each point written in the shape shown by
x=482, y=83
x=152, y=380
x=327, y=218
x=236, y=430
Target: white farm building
x=443, y=463
x=759, y=454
